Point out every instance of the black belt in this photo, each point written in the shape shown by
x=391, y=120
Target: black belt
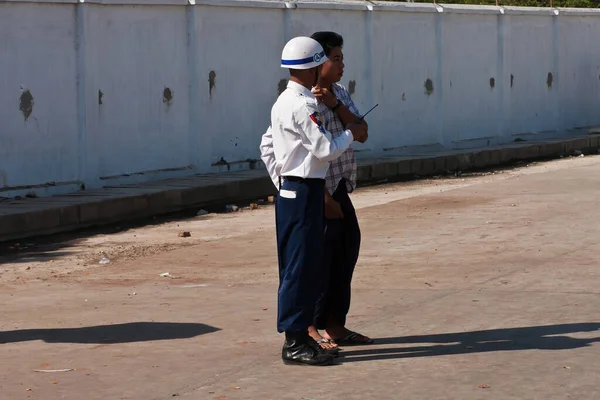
x=298, y=179
x=293, y=178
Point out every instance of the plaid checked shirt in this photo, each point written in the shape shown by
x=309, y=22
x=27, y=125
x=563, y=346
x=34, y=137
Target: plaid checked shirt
x=345, y=165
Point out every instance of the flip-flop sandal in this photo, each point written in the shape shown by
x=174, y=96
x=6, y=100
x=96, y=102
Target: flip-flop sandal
x=333, y=351
x=350, y=340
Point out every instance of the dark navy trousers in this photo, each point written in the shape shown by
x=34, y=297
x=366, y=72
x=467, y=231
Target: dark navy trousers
x=299, y=222
x=340, y=254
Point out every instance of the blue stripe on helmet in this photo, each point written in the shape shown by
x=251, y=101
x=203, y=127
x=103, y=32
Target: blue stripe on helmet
x=304, y=60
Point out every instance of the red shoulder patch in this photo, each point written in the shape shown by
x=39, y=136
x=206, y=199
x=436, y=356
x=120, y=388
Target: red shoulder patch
x=316, y=118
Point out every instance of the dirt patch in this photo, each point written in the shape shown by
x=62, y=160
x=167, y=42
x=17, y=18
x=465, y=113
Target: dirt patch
x=245, y=238
x=424, y=204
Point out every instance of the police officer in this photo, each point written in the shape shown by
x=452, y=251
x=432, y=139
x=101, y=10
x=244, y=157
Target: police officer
x=302, y=148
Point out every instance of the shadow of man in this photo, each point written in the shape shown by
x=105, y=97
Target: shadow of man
x=117, y=333
x=550, y=337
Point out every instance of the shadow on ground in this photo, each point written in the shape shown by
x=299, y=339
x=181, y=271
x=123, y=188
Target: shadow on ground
x=106, y=334
x=551, y=337
x=59, y=245
x=30, y=252
x=52, y=247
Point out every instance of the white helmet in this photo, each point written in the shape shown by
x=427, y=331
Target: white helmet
x=302, y=53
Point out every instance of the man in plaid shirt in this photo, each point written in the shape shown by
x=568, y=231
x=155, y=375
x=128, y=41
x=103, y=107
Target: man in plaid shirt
x=342, y=233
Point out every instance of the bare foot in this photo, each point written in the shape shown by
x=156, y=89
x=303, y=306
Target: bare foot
x=325, y=343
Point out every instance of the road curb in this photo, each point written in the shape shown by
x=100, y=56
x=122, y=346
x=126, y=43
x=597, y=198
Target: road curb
x=465, y=160
x=41, y=216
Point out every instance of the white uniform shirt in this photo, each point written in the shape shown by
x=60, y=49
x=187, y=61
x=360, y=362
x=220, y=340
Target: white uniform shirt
x=301, y=145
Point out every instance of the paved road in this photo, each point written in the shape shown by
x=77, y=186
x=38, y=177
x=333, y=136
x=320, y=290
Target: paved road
x=482, y=287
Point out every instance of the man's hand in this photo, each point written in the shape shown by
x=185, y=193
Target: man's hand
x=359, y=131
x=325, y=96
x=333, y=210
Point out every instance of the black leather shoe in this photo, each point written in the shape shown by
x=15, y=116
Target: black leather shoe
x=301, y=349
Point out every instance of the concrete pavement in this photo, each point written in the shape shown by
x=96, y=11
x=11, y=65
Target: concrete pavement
x=487, y=289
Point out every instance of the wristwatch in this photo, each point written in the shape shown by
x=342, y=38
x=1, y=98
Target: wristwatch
x=337, y=105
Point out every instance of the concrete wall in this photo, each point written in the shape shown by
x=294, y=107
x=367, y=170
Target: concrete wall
x=110, y=92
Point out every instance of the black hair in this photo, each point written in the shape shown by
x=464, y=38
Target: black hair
x=328, y=40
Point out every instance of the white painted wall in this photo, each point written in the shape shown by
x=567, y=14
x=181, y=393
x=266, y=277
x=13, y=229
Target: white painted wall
x=219, y=60
x=37, y=53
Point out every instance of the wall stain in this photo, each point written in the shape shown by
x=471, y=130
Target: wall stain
x=281, y=86
x=549, y=80
x=512, y=80
x=212, y=75
x=352, y=87
x=403, y=96
x=26, y=103
x=100, y=95
x=222, y=161
x=167, y=96
x=492, y=83
x=429, y=87
x=3, y=178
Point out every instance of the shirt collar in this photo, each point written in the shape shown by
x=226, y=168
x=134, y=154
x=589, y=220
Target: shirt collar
x=299, y=88
x=336, y=89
